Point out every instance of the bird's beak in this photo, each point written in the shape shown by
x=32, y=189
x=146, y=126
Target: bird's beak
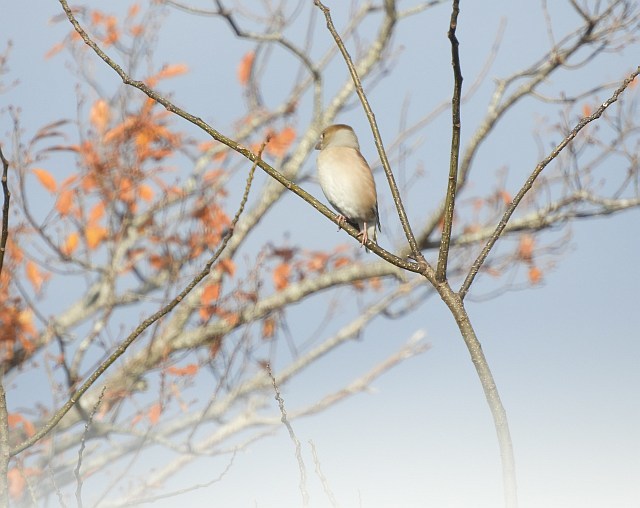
x=319, y=145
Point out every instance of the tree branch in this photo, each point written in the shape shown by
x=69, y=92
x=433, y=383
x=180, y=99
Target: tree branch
x=464, y=289
x=445, y=240
x=4, y=414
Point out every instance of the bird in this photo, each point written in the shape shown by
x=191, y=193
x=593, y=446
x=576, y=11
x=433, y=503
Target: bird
x=347, y=181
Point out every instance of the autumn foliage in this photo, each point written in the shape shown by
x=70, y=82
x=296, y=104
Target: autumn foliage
x=118, y=208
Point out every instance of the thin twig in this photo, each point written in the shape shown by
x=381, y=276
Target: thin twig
x=87, y=426
x=464, y=289
x=179, y=492
x=323, y=479
x=294, y=438
x=5, y=208
x=445, y=240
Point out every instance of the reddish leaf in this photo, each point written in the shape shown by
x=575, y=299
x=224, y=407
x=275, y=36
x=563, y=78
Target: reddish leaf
x=280, y=142
x=154, y=413
x=188, y=370
x=145, y=192
x=96, y=213
x=168, y=71
x=281, y=276
x=55, y=49
x=525, y=249
x=15, y=419
x=17, y=483
x=341, y=261
x=244, y=68
x=535, y=275
x=227, y=266
x=133, y=10
x=210, y=293
x=505, y=196
x=268, y=328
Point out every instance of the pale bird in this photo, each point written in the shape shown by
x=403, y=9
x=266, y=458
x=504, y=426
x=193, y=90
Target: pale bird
x=347, y=181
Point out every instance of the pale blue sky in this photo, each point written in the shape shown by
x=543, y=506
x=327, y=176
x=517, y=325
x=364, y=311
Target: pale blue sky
x=565, y=355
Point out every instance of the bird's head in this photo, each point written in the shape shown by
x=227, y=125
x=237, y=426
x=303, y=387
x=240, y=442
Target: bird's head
x=338, y=135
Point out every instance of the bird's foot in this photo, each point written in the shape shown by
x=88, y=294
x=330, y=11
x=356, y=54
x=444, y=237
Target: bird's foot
x=364, y=234
x=341, y=220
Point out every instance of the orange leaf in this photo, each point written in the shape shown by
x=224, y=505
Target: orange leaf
x=375, y=283
x=268, y=328
x=96, y=17
x=318, y=262
x=586, y=110
x=231, y=318
x=65, y=200
x=171, y=71
x=35, y=276
x=145, y=192
x=14, y=419
x=100, y=115
x=158, y=262
x=188, y=370
x=227, y=266
x=525, y=249
x=70, y=244
x=95, y=235
x=535, y=275
x=133, y=10
x=244, y=69
x=55, y=49
x=46, y=179
x=281, y=276
x=96, y=213
x=168, y=71
x=17, y=483
x=279, y=143
x=154, y=413
x=136, y=30
x=505, y=196
x=341, y=261
x=210, y=294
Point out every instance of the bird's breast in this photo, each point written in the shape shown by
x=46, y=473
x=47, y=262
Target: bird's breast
x=347, y=182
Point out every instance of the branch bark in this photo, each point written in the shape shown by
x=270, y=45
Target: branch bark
x=450, y=200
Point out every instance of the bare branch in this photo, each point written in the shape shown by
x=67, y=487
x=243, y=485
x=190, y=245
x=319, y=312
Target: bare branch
x=4, y=414
x=464, y=289
x=441, y=272
x=296, y=442
x=5, y=208
x=87, y=426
